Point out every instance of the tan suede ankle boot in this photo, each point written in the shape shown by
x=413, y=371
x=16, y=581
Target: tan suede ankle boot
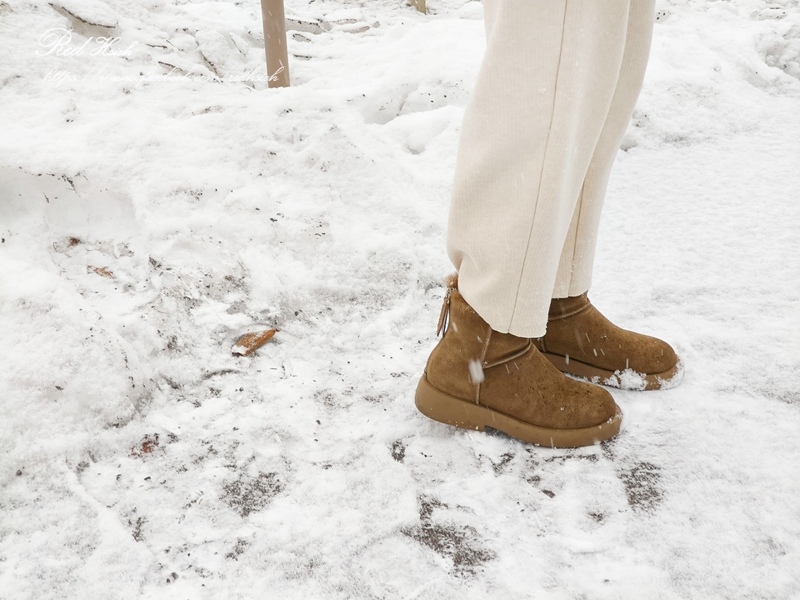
x=477, y=377
x=580, y=341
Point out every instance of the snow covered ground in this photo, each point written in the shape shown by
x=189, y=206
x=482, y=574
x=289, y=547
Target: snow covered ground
x=157, y=201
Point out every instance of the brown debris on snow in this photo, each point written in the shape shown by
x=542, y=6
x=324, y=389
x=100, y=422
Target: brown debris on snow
x=146, y=446
x=104, y=271
x=250, y=342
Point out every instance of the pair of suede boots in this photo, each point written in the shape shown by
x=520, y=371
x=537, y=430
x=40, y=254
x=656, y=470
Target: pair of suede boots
x=477, y=377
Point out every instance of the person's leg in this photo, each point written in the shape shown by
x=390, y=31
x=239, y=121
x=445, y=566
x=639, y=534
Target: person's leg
x=541, y=101
x=542, y=97
x=574, y=275
x=579, y=339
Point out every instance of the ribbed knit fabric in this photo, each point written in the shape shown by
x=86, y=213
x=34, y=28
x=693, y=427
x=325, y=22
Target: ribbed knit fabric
x=554, y=96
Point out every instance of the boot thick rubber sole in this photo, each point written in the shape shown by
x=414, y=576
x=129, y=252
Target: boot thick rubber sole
x=468, y=415
x=624, y=379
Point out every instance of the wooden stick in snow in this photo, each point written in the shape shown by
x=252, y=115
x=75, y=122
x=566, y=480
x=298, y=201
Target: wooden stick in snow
x=273, y=19
x=420, y=5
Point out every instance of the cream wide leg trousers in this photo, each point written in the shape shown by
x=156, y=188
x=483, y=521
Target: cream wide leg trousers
x=554, y=96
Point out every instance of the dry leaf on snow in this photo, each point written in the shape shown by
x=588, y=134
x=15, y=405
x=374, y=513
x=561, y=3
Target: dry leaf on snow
x=250, y=342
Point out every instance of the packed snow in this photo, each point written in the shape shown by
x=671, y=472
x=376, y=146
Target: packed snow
x=158, y=200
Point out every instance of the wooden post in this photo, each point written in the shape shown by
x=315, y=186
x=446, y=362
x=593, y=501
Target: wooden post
x=420, y=5
x=273, y=19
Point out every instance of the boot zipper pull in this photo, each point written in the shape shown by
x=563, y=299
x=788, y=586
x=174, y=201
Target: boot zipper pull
x=443, y=316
